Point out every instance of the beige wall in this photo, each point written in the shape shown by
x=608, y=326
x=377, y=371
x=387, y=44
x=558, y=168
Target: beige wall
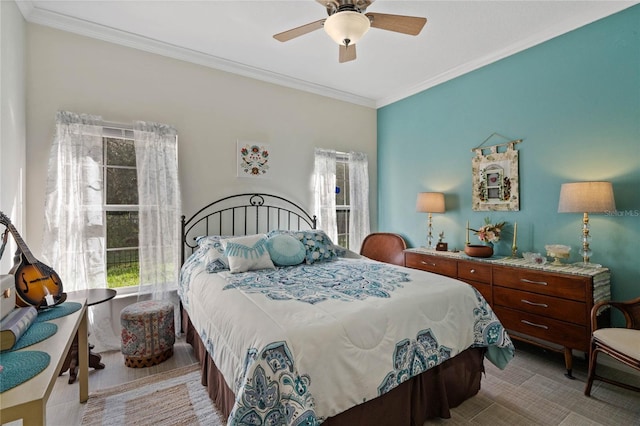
x=13, y=30
x=211, y=110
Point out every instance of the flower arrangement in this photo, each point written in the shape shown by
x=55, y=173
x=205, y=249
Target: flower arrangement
x=489, y=232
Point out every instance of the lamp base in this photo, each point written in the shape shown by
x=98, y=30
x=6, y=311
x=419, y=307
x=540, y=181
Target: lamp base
x=587, y=265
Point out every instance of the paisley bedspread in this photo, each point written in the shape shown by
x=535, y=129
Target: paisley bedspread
x=303, y=343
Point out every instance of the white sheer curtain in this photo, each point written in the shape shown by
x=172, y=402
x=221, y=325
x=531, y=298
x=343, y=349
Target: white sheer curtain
x=324, y=191
x=359, y=226
x=74, y=227
x=159, y=211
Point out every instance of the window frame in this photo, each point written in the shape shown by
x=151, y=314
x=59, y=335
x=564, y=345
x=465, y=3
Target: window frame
x=115, y=131
x=343, y=158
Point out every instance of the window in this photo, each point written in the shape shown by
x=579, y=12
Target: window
x=341, y=196
x=112, y=205
x=342, y=199
x=121, y=208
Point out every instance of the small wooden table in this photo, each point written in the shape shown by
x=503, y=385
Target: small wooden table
x=94, y=296
x=28, y=401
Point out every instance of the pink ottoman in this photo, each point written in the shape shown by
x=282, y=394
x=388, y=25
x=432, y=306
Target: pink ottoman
x=148, y=333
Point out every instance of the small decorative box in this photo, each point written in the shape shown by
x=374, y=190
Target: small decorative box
x=7, y=294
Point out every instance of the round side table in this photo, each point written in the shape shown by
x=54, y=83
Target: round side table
x=94, y=296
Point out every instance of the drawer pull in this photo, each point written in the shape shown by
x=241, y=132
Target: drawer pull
x=542, y=305
x=533, y=282
x=534, y=324
x=472, y=271
x=427, y=263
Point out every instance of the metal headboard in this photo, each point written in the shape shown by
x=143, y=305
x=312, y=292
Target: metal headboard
x=243, y=214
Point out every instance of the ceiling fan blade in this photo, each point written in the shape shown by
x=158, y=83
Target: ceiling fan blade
x=347, y=54
x=297, y=32
x=411, y=25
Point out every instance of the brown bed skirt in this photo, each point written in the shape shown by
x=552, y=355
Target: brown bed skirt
x=431, y=394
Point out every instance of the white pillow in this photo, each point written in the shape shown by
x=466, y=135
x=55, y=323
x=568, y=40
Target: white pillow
x=247, y=253
x=212, y=252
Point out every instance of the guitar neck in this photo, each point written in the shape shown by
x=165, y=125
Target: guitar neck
x=21, y=244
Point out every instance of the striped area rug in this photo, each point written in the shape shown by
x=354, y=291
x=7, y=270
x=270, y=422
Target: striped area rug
x=172, y=398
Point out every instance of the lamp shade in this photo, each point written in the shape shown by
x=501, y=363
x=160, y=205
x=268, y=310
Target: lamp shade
x=586, y=197
x=430, y=202
x=346, y=27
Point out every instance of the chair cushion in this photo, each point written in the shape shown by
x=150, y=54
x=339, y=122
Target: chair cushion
x=623, y=340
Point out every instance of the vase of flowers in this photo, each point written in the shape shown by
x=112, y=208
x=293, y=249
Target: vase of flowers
x=488, y=234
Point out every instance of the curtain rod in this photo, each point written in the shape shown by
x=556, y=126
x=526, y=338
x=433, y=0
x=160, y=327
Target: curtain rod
x=119, y=126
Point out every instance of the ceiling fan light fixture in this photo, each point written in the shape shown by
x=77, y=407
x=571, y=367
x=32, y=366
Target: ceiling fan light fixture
x=347, y=27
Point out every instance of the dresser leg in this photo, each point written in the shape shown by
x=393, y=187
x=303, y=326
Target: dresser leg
x=568, y=362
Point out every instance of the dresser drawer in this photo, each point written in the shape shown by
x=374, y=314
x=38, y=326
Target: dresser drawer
x=565, y=286
x=544, y=328
x=436, y=264
x=474, y=271
x=483, y=288
x=540, y=304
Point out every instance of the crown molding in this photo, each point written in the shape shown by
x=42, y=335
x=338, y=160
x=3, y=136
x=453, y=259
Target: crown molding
x=568, y=25
x=134, y=41
x=26, y=8
x=77, y=26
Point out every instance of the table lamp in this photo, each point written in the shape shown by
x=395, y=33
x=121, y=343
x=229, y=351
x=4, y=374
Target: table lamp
x=430, y=202
x=585, y=198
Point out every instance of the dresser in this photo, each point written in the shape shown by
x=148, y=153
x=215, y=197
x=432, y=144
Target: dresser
x=546, y=305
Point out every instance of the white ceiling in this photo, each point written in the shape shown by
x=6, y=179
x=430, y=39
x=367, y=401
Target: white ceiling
x=236, y=36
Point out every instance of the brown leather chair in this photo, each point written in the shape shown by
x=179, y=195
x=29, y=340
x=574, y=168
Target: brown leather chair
x=621, y=344
x=384, y=247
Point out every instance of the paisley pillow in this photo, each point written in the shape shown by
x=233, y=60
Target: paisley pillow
x=213, y=252
x=318, y=246
x=285, y=250
x=247, y=253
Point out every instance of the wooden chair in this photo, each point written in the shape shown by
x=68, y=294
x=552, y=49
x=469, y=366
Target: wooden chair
x=384, y=247
x=622, y=344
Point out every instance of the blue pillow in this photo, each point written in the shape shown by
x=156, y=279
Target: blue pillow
x=286, y=250
x=317, y=244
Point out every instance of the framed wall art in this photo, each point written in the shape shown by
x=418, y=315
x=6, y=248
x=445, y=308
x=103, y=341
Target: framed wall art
x=253, y=159
x=495, y=178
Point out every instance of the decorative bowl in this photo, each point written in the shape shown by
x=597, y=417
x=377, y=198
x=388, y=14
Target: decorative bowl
x=478, y=250
x=536, y=258
x=558, y=251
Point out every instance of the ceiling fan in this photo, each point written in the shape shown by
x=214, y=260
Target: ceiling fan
x=348, y=22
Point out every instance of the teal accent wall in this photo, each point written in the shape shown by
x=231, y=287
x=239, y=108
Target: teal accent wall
x=575, y=102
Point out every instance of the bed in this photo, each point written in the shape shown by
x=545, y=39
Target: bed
x=336, y=338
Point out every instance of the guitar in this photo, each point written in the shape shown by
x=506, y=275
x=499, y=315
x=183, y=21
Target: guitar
x=37, y=284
